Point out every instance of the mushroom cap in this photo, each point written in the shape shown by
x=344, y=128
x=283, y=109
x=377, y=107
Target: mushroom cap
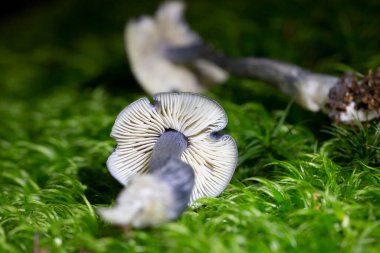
x=137, y=128
x=147, y=39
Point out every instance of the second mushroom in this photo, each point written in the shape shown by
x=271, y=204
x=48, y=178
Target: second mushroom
x=168, y=155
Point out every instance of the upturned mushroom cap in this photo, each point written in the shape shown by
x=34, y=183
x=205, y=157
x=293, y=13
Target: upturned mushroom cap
x=137, y=128
x=148, y=38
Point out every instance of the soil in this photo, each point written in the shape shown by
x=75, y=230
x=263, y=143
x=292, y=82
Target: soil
x=365, y=93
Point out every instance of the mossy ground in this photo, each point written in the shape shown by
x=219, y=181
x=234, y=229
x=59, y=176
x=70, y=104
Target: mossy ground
x=302, y=184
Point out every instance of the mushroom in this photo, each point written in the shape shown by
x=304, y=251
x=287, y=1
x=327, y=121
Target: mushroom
x=146, y=40
x=168, y=155
x=344, y=99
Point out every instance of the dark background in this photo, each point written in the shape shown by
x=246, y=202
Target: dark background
x=46, y=44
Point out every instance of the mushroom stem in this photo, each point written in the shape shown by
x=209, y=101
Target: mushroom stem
x=170, y=144
x=272, y=71
x=167, y=165
x=161, y=195
x=310, y=89
x=344, y=99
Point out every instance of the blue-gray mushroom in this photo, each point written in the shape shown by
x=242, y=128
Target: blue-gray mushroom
x=168, y=155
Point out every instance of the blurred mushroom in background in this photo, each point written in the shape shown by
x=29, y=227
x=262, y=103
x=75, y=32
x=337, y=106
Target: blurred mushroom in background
x=147, y=40
x=165, y=55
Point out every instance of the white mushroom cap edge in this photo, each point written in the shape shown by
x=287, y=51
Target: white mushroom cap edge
x=146, y=40
x=138, y=127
